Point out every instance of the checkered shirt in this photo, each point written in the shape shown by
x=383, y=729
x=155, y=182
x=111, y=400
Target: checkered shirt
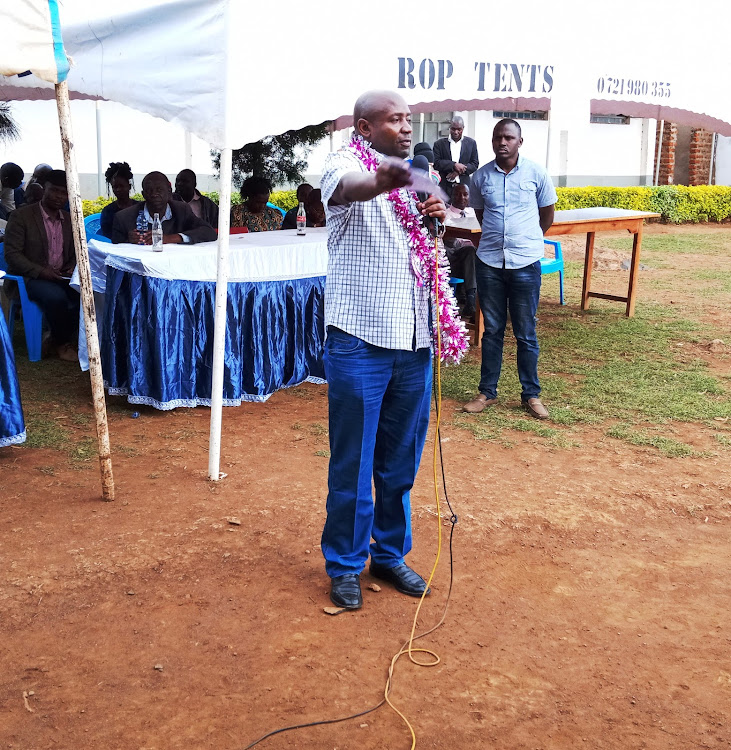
x=371, y=291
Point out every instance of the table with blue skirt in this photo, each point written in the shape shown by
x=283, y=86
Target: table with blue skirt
x=12, y=425
x=156, y=317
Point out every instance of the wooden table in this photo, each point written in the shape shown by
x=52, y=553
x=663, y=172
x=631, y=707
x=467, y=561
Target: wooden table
x=592, y=220
x=579, y=221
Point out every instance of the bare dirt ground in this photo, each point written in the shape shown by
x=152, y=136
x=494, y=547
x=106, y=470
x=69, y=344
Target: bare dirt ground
x=589, y=610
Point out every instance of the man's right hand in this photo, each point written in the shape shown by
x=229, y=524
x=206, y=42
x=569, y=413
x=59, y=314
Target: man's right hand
x=48, y=274
x=391, y=175
x=363, y=186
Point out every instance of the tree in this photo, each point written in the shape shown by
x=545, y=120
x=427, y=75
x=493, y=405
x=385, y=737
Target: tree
x=278, y=158
x=8, y=128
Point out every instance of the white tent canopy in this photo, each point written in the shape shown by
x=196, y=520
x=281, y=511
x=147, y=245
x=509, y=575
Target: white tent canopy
x=218, y=69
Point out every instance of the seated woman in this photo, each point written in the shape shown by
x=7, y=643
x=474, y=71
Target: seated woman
x=253, y=213
x=119, y=179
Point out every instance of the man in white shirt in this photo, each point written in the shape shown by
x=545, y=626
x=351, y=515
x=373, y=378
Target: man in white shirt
x=461, y=252
x=455, y=158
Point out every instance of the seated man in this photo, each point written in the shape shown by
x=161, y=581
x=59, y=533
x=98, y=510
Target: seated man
x=461, y=253
x=201, y=205
x=39, y=246
x=314, y=209
x=290, y=218
x=179, y=224
x=11, y=178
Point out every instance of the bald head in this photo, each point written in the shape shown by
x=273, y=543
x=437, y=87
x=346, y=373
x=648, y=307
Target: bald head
x=372, y=104
x=154, y=176
x=156, y=191
x=384, y=119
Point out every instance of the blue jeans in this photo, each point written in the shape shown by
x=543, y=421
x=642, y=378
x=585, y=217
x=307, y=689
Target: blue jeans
x=516, y=290
x=379, y=413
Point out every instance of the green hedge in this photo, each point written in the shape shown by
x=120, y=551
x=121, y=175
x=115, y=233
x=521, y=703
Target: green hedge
x=676, y=203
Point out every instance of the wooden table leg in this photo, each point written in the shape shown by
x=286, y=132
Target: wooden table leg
x=633, y=270
x=588, y=264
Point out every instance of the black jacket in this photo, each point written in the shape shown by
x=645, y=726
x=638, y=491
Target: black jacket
x=444, y=164
x=209, y=210
x=183, y=221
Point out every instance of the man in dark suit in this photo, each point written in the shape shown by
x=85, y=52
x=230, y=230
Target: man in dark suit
x=201, y=205
x=455, y=158
x=179, y=224
x=39, y=246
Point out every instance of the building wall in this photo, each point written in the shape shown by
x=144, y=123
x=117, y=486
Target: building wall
x=595, y=154
x=722, y=161
x=699, y=157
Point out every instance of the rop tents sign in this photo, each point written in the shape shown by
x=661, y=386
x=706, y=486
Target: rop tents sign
x=492, y=77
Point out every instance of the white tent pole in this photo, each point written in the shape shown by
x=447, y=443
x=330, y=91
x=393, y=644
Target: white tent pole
x=219, y=329
x=99, y=163
x=87, y=292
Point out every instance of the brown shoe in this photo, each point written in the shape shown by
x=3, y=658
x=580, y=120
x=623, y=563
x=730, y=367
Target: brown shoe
x=478, y=404
x=535, y=408
x=67, y=353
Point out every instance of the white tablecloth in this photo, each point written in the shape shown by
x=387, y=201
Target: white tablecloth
x=256, y=256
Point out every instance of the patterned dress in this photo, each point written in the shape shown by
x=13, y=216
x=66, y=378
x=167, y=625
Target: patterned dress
x=268, y=220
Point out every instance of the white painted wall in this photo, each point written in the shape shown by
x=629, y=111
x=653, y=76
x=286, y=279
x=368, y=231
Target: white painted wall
x=594, y=154
x=723, y=160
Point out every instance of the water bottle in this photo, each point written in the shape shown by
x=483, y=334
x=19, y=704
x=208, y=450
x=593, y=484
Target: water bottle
x=301, y=219
x=141, y=226
x=156, y=234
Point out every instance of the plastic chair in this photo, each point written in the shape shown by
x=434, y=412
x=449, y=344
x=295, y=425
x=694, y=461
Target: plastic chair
x=554, y=265
x=92, y=224
x=239, y=230
x=32, y=314
x=279, y=208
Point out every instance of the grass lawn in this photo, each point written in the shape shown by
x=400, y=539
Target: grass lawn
x=636, y=379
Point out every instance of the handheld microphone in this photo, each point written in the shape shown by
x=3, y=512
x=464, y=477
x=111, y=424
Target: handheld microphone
x=420, y=162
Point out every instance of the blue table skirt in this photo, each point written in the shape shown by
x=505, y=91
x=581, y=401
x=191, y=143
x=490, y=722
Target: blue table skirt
x=157, y=339
x=12, y=426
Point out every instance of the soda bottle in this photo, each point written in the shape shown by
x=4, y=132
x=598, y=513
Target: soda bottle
x=301, y=219
x=156, y=234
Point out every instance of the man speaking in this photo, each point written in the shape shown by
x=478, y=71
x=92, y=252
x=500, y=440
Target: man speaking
x=377, y=351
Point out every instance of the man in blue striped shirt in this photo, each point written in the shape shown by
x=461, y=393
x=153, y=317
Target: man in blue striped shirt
x=514, y=202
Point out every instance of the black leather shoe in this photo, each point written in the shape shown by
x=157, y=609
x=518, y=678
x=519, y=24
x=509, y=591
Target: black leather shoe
x=402, y=577
x=345, y=591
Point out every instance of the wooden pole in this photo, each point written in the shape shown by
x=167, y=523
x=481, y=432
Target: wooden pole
x=87, y=292
x=219, y=328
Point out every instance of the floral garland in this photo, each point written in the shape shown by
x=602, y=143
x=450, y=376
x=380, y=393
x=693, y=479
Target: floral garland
x=450, y=336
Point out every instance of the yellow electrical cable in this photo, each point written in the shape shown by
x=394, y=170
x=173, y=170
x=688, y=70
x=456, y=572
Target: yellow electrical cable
x=408, y=647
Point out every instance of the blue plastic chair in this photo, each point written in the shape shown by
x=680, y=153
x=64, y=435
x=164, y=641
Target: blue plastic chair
x=32, y=314
x=92, y=224
x=279, y=208
x=554, y=265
